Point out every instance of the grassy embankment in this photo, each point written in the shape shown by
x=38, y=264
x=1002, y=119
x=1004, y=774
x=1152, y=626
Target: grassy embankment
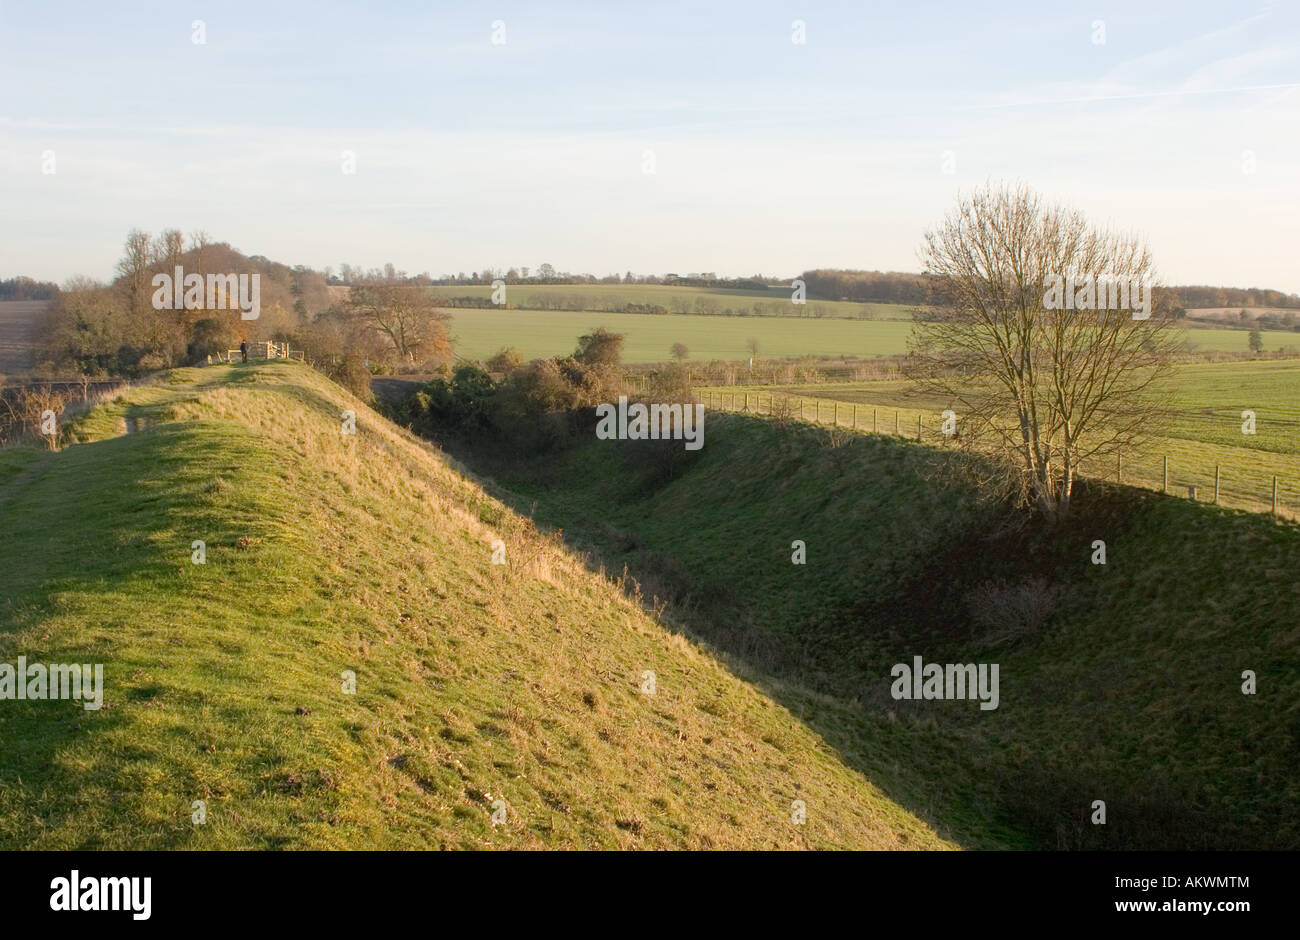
x=369, y=553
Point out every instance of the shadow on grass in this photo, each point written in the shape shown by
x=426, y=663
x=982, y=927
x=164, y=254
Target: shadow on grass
x=1022, y=777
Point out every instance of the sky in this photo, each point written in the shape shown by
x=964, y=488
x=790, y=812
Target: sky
x=651, y=137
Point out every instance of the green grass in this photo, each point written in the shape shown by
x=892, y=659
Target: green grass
x=1130, y=693
x=1205, y=429
x=1210, y=339
x=15, y=460
x=1210, y=398
x=370, y=553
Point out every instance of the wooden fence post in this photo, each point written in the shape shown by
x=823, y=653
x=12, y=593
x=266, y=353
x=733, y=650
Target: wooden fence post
x=1216, y=484
x=1166, y=489
x=1118, y=469
x=1275, y=496
x=918, y=429
x=873, y=419
x=896, y=434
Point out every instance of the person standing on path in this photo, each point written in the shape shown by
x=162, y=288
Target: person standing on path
x=243, y=350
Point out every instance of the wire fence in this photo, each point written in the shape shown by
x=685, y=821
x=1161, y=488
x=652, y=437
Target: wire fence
x=1225, y=482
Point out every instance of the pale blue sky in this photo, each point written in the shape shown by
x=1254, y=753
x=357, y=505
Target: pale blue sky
x=769, y=155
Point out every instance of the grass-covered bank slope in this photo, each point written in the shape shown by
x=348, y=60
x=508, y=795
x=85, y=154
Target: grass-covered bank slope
x=1130, y=693
x=368, y=553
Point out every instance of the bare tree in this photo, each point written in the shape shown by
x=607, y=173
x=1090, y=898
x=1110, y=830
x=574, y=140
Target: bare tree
x=408, y=318
x=199, y=242
x=1043, y=387
x=133, y=267
x=680, y=352
x=168, y=249
x=34, y=410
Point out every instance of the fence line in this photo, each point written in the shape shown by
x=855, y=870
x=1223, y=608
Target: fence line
x=831, y=412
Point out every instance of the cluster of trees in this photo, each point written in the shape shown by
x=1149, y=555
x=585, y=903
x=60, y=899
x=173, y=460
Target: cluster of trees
x=889, y=287
x=538, y=406
x=113, y=328
x=546, y=405
x=378, y=328
x=24, y=288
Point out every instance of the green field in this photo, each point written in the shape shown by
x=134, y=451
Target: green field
x=649, y=337
x=679, y=300
x=481, y=688
x=1238, y=341
x=1205, y=429
x=480, y=333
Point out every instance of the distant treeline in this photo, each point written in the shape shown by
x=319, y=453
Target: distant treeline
x=704, y=305
x=352, y=275
x=884, y=287
x=901, y=288
x=757, y=282
x=854, y=286
x=24, y=288
x=1198, y=296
